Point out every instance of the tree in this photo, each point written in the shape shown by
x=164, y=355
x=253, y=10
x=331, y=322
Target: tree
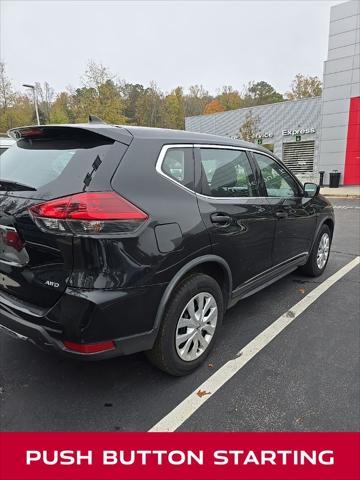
x=150, y=107
x=7, y=93
x=250, y=127
x=131, y=92
x=96, y=75
x=261, y=93
x=229, y=98
x=213, y=107
x=45, y=97
x=196, y=100
x=21, y=112
x=7, y=98
x=62, y=109
x=15, y=109
x=174, y=109
x=100, y=95
x=304, y=86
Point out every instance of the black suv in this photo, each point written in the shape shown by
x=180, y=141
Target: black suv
x=115, y=240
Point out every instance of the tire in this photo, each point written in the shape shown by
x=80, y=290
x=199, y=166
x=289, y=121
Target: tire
x=194, y=290
x=312, y=267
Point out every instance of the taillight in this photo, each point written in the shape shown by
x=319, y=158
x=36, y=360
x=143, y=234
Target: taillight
x=88, y=213
x=10, y=237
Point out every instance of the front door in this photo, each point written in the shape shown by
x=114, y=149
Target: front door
x=294, y=213
x=240, y=223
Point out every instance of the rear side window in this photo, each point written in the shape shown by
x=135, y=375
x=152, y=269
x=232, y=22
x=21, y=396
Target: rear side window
x=38, y=160
x=226, y=173
x=178, y=164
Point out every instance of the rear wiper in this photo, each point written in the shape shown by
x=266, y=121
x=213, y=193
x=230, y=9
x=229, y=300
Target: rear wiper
x=11, y=185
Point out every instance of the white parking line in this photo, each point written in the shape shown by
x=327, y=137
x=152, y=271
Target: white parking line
x=203, y=392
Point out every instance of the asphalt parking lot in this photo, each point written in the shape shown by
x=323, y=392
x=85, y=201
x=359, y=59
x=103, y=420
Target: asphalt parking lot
x=307, y=378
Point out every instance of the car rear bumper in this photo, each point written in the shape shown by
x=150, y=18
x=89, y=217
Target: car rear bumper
x=26, y=331
x=97, y=318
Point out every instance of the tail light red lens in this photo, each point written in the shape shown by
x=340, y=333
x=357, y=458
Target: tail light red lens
x=88, y=213
x=12, y=239
x=89, y=347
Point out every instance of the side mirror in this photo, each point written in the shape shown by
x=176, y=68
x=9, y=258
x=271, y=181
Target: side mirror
x=311, y=190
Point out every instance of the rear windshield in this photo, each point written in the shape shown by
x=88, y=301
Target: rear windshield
x=38, y=160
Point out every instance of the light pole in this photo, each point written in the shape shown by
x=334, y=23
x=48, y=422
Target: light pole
x=35, y=100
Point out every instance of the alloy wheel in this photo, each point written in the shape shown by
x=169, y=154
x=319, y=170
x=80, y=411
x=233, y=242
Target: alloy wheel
x=196, y=326
x=323, y=251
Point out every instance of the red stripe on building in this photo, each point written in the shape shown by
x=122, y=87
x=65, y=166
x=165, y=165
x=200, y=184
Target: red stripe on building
x=352, y=158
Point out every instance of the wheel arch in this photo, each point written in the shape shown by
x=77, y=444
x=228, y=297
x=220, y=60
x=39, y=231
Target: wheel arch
x=329, y=221
x=212, y=265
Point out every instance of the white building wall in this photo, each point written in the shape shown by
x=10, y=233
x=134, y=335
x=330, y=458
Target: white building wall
x=341, y=82
x=273, y=118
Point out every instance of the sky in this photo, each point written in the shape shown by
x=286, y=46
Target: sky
x=213, y=43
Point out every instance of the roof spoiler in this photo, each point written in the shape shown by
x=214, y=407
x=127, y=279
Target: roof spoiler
x=95, y=119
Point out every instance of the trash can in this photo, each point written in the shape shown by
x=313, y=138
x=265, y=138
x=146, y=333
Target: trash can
x=334, y=179
x=321, y=178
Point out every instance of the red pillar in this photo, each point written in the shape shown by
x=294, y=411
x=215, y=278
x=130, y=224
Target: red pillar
x=352, y=158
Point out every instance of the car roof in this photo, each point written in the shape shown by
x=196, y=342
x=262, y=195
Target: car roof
x=125, y=134
x=176, y=136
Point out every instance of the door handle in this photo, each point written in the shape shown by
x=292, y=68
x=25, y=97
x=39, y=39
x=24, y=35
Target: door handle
x=220, y=218
x=281, y=214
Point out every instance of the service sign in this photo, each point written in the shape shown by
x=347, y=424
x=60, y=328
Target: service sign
x=264, y=135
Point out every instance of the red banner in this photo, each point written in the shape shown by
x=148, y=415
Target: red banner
x=164, y=456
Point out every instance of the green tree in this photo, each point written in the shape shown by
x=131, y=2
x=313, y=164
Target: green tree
x=7, y=98
x=100, y=95
x=249, y=127
x=174, y=110
x=261, y=93
x=304, y=86
x=150, y=107
x=131, y=92
x=62, y=109
x=16, y=109
x=21, y=112
x=229, y=98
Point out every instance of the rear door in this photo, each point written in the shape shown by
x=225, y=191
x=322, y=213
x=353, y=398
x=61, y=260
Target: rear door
x=239, y=221
x=44, y=164
x=295, y=215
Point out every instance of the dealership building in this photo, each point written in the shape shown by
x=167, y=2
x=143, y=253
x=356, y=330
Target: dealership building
x=312, y=134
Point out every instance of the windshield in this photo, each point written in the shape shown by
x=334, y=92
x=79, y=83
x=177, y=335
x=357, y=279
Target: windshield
x=40, y=160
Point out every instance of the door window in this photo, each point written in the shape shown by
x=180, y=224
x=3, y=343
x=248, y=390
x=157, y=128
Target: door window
x=277, y=180
x=226, y=173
